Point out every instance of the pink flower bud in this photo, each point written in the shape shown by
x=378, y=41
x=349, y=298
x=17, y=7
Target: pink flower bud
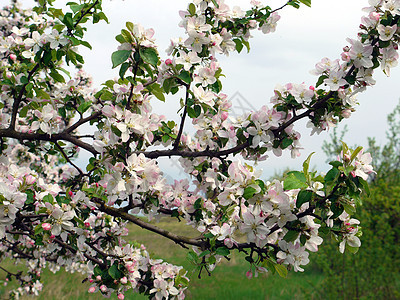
x=87, y=224
x=13, y=57
x=224, y=115
x=345, y=56
x=249, y=274
x=92, y=289
x=46, y=226
x=103, y=288
x=124, y=280
x=375, y=16
x=98, y=277
x=121, y=296
x=346, y=113
x=168, y=62
x=70, y=193
x=30, y=179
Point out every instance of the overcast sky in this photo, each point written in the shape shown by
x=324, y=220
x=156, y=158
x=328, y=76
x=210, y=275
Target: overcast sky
x=302, y=39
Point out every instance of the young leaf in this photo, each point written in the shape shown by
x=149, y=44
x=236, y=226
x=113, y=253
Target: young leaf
x=306, y=166
x=295, y=180
x=306, y=2
x=149, y=55
x=281, y=270
x=157, y=91
x=249, y=192
x=303, y=197
x=185, y=76
x=120, y=56
x=291, y=236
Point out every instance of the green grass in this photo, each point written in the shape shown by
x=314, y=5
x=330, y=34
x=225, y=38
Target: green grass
x=228, y=280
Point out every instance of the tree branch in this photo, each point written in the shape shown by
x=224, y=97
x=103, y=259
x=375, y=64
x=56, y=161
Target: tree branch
x=182, y=125
x=180, y=240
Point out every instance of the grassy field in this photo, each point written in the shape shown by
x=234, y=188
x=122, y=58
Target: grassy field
x=228, y=281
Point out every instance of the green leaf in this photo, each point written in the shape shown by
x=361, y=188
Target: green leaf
x=123, y=69
x=261, y=184
x=120, y=39
x=149, y=55
x=332, y=175
x=306, y=166
x=286, y=143
x=68, y=20
x=294, y=4
x=56, y=76
x=185, y=76
x=249, y=192
x=76, y=8
x=355, y=152
x=224, y=251
x=337, y=210
x=107, y=95
x=204, y=253
x=24, y=111
x=365, y=185
x=192, y=9
x=239, y=45
x=46, y=57
x=57, y=13
x=24, y=80
x=208, y=235
x=102, y=16
x=247, y=44
x=165, y=138
x=353, y=250
x=281, y=270
x=127, y=36
x=303, y=197
x=84, y=106
x=295, y=180
x=351, y=210
x=114, y=272
x=38, y=229
x=130, y=26
x=197, y=110
x=215, y=3
x=86, y=44
x=192, y=256
x=291, y=236
x=321, y=80
x=306, y=2
x=120, y=56
x=345, y=147
x=48, y=198
x=336, y=163
x=157, y=91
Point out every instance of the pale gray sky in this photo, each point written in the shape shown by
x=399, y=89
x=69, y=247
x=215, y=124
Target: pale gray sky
x=302, y=39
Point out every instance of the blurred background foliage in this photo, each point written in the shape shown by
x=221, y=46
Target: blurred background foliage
x=374, y=272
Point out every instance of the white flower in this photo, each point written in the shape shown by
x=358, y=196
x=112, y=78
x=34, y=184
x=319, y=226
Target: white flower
x=62, y=220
